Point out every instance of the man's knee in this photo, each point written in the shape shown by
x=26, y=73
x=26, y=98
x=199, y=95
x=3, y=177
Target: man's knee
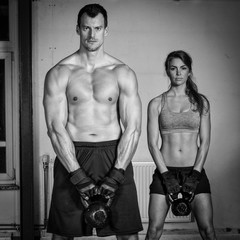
x=128, y=237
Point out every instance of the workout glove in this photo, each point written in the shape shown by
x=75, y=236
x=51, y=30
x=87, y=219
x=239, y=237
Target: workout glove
x=191, y=182
x=111, y=183
x=84, y=185
x=171, y=182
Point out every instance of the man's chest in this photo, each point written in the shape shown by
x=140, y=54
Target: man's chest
x=101, y=86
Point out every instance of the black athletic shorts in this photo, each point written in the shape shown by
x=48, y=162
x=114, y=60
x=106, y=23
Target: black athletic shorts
x=157, y=185
x=66, y=212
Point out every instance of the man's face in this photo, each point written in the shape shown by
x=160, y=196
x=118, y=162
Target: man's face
x=92, y=32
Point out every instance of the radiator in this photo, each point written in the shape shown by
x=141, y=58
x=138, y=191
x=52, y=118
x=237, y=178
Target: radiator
x=142, y=174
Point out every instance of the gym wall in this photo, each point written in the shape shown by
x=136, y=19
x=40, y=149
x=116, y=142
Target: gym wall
x=141, y=34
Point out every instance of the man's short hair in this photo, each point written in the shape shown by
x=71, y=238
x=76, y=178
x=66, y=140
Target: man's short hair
x=92, y=10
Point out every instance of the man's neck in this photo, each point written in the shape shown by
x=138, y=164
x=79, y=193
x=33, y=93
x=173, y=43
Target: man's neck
x=91, y=58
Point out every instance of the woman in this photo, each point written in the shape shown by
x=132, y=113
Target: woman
x=179, y=120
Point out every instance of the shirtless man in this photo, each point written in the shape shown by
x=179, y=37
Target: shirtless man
x=93, y=115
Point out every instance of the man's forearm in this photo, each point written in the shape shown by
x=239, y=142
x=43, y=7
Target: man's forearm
x=126, y=148
x=64, y=149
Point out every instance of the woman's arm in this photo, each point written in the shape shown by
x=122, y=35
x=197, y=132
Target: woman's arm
x=204, y=139
x=153, y=136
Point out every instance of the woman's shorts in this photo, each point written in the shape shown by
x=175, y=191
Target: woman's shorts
x=66, y=212
x=157, y=185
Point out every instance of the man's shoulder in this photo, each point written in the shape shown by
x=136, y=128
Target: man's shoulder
x=125, y=75
x=63, y=67
x=67, y=63
x=57, y=72
x=124, y=72
x=119, y=66
x=123, y=68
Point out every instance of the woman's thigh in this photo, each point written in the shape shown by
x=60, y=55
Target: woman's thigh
x=158, y=209
x=202, y=209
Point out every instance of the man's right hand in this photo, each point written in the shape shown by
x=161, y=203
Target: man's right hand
x=171, y=182
x=84, y=184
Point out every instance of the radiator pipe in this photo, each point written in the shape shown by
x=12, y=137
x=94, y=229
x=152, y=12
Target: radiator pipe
x=46, y=160
x=11, y=226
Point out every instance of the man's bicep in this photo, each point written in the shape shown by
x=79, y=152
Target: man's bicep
x=54, y=101
x=135, y=108
x=130, y=110
x=55, y=107
x=129, y=100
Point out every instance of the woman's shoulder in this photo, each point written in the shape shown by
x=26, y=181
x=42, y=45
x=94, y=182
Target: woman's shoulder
x=156, y=102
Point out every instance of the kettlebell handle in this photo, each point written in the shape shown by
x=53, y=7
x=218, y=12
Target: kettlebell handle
x=190, y=197
x=86, y=203
x=109, y=202
x=170, y=198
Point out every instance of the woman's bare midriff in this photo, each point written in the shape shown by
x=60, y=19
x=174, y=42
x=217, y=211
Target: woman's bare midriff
x=179, y=149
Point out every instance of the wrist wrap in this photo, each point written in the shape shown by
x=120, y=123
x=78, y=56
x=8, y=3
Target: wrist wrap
x=78, y=176
x=195, y=175
x=117, y=175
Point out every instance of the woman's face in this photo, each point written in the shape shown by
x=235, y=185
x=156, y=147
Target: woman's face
x=178, y=72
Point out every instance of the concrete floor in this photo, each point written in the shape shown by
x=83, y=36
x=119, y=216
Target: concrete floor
x=174, y=237
x=184, y=234
x=222, y=234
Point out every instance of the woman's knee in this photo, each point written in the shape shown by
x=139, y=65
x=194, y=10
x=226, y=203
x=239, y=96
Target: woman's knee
x=154, y=231
x=208, y=232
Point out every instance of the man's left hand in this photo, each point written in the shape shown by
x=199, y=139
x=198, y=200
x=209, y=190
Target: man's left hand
x=111, y=183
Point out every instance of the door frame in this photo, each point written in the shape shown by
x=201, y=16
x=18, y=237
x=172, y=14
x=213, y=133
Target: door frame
x=26, y=119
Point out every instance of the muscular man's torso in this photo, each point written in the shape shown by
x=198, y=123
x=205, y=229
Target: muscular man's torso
x=92, y=98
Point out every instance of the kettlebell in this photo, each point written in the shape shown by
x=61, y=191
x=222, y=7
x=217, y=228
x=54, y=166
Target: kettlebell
x=180, y=203
x=97, y=211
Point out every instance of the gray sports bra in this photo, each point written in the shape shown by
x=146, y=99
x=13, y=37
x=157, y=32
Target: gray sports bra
x=172, y=122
